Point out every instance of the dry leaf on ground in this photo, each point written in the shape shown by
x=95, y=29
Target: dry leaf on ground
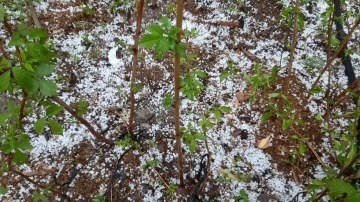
x=242, y=96
x=263, y=143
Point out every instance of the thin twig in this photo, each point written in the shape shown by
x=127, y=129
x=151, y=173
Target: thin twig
x=32, y=11
x=333, y=57
x=83, y=121
x=293, y=44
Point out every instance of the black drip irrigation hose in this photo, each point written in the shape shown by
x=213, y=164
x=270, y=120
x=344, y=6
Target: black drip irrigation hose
x=200, y=177
x=349, y=71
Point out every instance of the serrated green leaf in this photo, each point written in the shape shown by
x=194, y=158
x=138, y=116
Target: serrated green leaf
x=353, y=198
x=4, y=81
x=192, y=146
x=4, y=63
x=47, y=88
x=165, y=21
x=40, y=52
x=39, y=125
x=16, y=40
x=53, y=110
x=25, y=80
x=24, y=144
x=38, y=33
x=22, y=54
x=28, y=67
x=155, y=30
x=162, y=46
x=149, y=40
x=173, y=31
x=180, y=49
x=223, y=76
x=19, y=157
x=338, y=187
x=266, y=116
x=44, y=70
x=6, y=147
x=55, y=127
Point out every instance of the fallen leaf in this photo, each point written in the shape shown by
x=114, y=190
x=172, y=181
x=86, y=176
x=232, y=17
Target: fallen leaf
x=242, y=96
x=263, y=143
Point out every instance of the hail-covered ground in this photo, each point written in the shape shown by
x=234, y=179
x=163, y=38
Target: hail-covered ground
x=94, y=65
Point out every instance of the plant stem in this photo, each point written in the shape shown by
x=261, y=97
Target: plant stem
x=293, y=44
x=333, y=57
x=83, y=121
x=179, y=17
x=133, y=71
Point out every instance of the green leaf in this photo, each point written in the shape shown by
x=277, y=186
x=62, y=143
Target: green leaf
x=6, y=147
x=165, y=21
x=173, y=31
x=225, y=109
x=4, y=117
x=19, y=157
x=3, y=190
x=155, y=30
x=24, y=144
x=47, y=88
x=38, y=33
x=217, y=115
x=2, y=15
x=16, y=39
x=4, y=63
x=273, y=94
x=200, y=74
x=339, y=187
x=162, y=46
x=199, y=136
x=39, y=125
x=149, y=40
x=40, y=52
x=266, y=116
x=53, y=110
x=55, y=127
x=285, y=124
x=353, y=198
x=28, y=67
x=302, y=148
x=180, y=49
x=25, y=80
x=192, y=146
x=315, y=90
x=4, y=81
x=44, y=69
x=223, y=76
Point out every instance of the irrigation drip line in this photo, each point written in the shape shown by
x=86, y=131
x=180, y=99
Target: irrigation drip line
x=74, y=173
x=200, y=177
x=349, y=71
x=116, y=172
